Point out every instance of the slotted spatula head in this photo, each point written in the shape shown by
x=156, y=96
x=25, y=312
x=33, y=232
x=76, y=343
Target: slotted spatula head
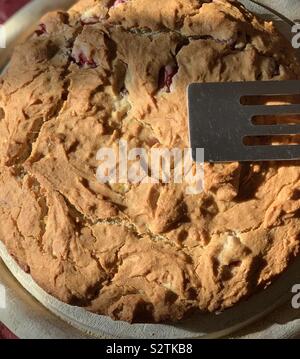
x=221, y=123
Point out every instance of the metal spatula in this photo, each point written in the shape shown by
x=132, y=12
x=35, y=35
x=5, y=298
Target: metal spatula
x=222, y=120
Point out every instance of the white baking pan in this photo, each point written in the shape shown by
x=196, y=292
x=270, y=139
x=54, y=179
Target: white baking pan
x=32, y=313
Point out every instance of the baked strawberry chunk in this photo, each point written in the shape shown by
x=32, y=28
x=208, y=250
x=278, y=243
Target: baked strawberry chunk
x=84, y=61
x=41, y=30
x=166, y=75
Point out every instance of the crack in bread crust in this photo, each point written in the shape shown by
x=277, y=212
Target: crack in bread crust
x=105, y=71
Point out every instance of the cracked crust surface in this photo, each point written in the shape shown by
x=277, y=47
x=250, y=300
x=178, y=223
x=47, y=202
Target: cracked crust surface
x=109, y=70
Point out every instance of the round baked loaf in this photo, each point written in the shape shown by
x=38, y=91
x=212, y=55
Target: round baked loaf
x=109, y=70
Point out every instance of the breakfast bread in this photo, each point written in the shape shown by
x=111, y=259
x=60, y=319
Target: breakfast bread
x=107, y=71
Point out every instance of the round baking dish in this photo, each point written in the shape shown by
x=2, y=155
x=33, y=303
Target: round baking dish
x=21, y=308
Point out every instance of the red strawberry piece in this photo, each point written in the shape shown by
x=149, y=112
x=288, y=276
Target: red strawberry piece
x=166, y=75
x=83, y=60
x=41, y=30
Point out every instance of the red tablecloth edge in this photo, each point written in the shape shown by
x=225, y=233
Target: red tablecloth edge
x=6, y=333
x=9, y=7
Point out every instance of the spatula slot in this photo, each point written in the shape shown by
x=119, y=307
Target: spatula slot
x=276, y=120
x=233, y=122
x=275, y=140
x=270, y=100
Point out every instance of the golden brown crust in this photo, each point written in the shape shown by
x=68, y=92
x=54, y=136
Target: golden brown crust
x=90, y=77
